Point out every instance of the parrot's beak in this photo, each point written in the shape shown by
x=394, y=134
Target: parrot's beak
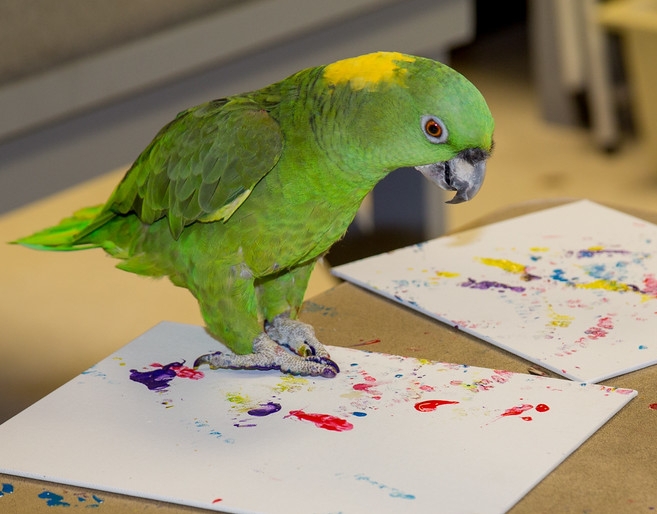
x=463, y=173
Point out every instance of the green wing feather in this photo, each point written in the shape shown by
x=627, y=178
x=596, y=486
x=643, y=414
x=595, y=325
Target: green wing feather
x=202, y=165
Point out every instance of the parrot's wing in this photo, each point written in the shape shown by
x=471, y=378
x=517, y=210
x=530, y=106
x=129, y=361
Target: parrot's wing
x=202, y=165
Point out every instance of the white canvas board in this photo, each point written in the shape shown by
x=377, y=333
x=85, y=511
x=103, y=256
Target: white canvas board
x=388, y=434
x=572, y=288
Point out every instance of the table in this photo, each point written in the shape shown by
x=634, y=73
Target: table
x=613, y=471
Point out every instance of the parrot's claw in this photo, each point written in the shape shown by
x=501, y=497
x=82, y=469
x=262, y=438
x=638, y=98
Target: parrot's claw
x=268, y=354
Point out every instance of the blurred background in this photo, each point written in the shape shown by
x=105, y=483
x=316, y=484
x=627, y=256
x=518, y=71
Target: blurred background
x=87, y=84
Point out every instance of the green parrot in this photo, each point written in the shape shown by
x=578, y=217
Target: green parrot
x=237, y=198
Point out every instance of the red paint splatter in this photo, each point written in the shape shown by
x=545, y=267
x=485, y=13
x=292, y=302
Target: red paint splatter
x=187, y=372
x=595, y=332
x=600, y=329
x=325, y=421
x=541, y=407
x=519, y=409
x=526, y=418
x=650, y=285
x=368, y=388
x=217, y=500
x=367, y=343
x=653, y=406
x=606, y=322
x=501, y=376
x=431, y=405
x=181, y=370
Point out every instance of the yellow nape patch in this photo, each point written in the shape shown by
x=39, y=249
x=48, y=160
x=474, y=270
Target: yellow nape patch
x=368, y=71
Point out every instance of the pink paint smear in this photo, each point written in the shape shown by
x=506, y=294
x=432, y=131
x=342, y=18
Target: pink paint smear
x=325, y=421
x=519, y=409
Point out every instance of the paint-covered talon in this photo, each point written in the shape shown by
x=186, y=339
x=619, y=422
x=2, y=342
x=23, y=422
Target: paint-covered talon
x=331, y=363
x=326, y=361
x=206, y=359
x=330, y=372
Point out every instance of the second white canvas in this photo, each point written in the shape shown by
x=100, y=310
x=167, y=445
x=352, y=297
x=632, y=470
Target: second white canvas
x=573, y=288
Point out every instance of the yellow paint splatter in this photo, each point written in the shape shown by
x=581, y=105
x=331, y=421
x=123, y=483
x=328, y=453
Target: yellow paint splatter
x=506, y=265
x=559, y=320
x=351, y=395
x=237, y=398
x=290, y=384
x=539, y=249
x=447, y=274
x=608, y=285
x=368, y=71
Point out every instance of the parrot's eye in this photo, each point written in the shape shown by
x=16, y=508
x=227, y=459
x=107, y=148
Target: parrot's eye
x=434, y=129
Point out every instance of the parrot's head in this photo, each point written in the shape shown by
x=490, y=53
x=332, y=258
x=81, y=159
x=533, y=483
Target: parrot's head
x=409, y=111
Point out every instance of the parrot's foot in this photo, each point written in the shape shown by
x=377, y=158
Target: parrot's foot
x=296, y=335
x=311, y=358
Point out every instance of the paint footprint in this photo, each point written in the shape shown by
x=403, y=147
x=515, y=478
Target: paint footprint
x=159, y=379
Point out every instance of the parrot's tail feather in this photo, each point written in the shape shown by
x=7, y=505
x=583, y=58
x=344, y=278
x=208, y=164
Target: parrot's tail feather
x=69, y=234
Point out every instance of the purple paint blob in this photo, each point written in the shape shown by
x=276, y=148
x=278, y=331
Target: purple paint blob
x=157, y=379
x=265, y=409
x=53, y=499
x=490, y=284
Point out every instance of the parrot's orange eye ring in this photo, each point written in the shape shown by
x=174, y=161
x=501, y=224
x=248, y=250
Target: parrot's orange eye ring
x=434, y=129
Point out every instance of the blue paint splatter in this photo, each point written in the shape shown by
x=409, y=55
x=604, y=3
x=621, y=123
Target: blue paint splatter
x=6, y=489
x=53, y=499
x=265, y=409
x=643, y=347
x=359, y=414
x=558, y=274
x=97, y=499
x=599, y=271
x=392, y=491
x=490, y=284
x=157, y=379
